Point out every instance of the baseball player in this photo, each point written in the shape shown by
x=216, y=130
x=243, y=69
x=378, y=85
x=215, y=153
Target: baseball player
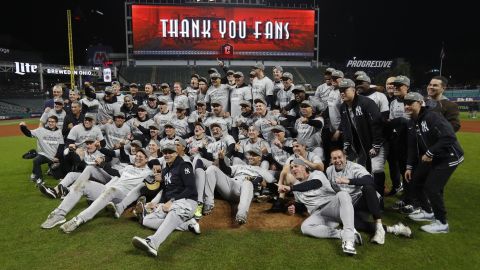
x=233, y=182
x=433, y=155
x=57, y=111
x=241, y=91
x=177, y=204
x=49, y=145
x=264, y=119
x=362, y=130
x=100, y=194
x=262, y=86
x=116, y=132
x=180, y=97
x=108, y=103
x=326, y=208
x=355, y=180
x=218, y=92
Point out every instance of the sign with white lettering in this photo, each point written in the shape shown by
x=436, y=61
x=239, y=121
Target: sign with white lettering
x=22, y=68
x=354, y=63
x=227, y=32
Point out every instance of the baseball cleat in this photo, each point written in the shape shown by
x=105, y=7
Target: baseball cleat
x=198, y=212
x=63, y=191
x=145, y=245
x=71, y=225
x=207, y=209
x=53, y=220
x=48, y=191
x=140, y=211
x=348, y=247
x=435, y=227
x=240, y=219
x=194, y=226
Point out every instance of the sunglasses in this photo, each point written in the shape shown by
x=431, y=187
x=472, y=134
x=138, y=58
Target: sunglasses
x=215, y=105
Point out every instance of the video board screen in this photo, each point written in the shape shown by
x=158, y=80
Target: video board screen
x=203, y=32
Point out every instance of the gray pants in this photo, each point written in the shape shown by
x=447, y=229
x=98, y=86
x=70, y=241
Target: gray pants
x=378, y=162
x=69, y=179
x=230, y=189
x=322, y=222
x=94, y=191
x=165, y=223
x=200, y=176
x=131, y=197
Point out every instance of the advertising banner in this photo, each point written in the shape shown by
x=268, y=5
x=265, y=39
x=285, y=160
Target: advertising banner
x=199, y=32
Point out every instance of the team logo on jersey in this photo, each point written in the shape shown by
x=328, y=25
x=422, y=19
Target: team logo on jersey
x=187, y=171
x=168, y=178
x=424, y=126
x=358, y=111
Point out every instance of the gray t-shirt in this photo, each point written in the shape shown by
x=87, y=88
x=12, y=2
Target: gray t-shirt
x=47, y=141
x=60, y=115
x=381, y=100
x=284, y=97
x=220, y=93
x=262, y=88
x=78, y=134
x=114, y=134
x=352, y=170
x=315, y=198
x=237, y=95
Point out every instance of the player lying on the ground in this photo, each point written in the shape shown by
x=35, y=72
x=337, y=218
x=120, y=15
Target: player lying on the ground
x=233, y=182
x=100, y=194
x=177, y=204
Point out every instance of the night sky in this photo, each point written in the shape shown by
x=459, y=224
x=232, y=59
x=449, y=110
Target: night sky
x=375, y=29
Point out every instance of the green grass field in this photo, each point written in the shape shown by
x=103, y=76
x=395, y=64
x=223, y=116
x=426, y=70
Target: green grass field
x=104, y=243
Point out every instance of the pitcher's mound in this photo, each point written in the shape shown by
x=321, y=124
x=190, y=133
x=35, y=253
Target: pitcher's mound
x=223, y=217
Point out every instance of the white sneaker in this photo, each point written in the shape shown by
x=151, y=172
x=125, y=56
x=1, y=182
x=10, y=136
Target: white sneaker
x=435, y=227
x=71, y=225
x=33, y=177
x=349, y=247
x=53, y=220
x=144, y=244
x=400, y=229
x=194, y=226
x=422, y=216
x=379, y=236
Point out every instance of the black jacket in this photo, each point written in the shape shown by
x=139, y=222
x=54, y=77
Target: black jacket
x=368, y=129
x=178, y=181
x=432, y=135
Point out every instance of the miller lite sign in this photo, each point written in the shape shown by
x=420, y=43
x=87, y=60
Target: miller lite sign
x=22, y=68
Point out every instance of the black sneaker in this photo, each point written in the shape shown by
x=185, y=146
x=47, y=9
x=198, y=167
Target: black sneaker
x=409, y=209
x=395, y=190
x=63, y=191
x=48, y=191
x=278, y=206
